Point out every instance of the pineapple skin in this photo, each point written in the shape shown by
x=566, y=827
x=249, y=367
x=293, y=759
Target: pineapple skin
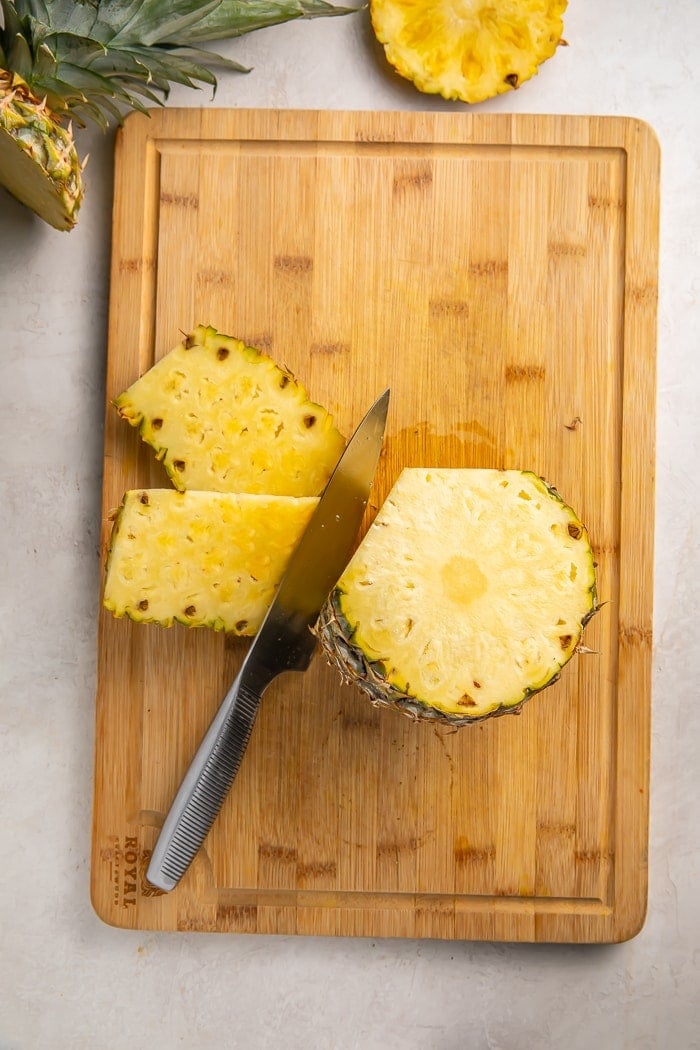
x=39, y=164
x=353, y=648
x=222, y=416
x=468, y=50
x=201, y=559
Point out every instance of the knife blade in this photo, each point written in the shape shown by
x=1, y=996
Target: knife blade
x=284, y=642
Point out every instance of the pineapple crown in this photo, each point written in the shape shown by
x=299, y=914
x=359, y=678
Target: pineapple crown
x=94, y=58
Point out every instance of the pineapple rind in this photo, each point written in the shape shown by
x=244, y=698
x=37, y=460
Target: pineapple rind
x=39, y=164
x=222, y=416
x=202, y=559
x=370, y=676
x=453, y=607
x=468, y=50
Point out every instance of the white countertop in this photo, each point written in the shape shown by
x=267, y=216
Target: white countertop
x=67, y=980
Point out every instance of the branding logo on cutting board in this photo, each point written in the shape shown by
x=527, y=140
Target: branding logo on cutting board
x=128, y=864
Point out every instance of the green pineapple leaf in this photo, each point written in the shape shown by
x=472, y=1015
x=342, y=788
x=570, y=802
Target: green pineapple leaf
x=153, y=23
x=84, y=56
x=233, y=18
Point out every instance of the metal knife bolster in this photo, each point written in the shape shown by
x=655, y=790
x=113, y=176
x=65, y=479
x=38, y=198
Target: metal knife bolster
x=283, y=643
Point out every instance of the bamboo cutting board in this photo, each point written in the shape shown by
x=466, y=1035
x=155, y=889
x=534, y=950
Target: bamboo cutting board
x=499, y=273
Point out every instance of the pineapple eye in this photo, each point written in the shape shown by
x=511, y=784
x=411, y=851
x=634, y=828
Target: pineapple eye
x=156, y=424
x=565, y=640
x=512, y=79
x=309, y=421
x=222, y=353
x=575, y=531
x=241, y=625
x=190, y=610
x=143, y=604
x=188, y=342
x=179, y=465
x=143, y=498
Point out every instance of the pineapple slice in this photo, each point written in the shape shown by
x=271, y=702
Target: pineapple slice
x=468, y=49
x=467, y=595
x=224, y=417
x=203, y=559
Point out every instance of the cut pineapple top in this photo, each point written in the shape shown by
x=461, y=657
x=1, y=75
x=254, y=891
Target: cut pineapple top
x=93, y=59
x=468, y=593
x=204, y=559
x=38, y=161
x=224, y=417
x=468, y=49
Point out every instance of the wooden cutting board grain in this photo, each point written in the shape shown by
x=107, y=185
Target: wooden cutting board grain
x=499, y=273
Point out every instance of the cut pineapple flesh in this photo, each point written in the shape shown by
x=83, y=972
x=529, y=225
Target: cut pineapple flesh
x=203, y=559
x=468, y=49
x=224, y=417
x=467, y=595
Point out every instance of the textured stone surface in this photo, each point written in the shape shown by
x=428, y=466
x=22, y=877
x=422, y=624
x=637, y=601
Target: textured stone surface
x=70, y=982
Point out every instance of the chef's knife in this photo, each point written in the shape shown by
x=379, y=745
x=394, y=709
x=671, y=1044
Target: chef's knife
x=284, y=642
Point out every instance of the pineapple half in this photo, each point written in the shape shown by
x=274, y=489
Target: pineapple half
x=469, y=50
x=467, y=595
x=203, y=559
x=223, y=416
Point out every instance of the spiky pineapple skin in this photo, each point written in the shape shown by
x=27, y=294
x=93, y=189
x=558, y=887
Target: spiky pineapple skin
x=222, y=416
x=364, y=654
x=468, y=50
x=201, y=559
x=39, y=164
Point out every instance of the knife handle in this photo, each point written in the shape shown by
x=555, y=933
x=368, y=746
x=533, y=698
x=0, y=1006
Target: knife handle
x=205, y=785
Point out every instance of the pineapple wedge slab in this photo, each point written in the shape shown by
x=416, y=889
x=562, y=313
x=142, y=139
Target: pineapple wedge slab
x=203, y=559
x=468, y=594
x=468, y=50
x=223, y=417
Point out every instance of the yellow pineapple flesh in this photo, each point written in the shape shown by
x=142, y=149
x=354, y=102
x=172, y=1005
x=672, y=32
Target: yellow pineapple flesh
x=222, y=416
x=467, y=595
x=468, y=50
x=203, y=559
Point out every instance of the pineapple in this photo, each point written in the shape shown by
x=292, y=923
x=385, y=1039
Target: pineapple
x=38, y=161
x=468, y=49
x=203, y=559
x=68, y=60
x=467, y=595
x=223, y=416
